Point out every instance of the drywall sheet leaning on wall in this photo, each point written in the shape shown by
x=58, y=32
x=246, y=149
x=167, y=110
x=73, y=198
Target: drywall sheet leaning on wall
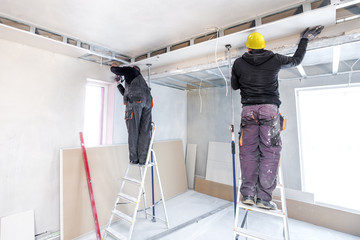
x=18, y=226
x=219, y=166
x=107, y=166
x=190, y=161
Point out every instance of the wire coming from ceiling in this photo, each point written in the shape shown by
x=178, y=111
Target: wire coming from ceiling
x=216, y=61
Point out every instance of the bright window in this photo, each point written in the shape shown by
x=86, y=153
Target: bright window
x=95, y=114
x=329, y=133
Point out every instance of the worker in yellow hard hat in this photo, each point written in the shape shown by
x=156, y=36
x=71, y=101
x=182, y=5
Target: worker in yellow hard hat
x=255, y=73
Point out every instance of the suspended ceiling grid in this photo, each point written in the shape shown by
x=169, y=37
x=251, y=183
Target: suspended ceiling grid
x=317, y=62
x=290, y=18
x=133, y=28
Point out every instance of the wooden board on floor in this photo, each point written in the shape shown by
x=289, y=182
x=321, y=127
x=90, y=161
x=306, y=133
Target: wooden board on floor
x=18, y=226
x=190, y=162
x=312, y=213
x=107, y=166
x=214, y=189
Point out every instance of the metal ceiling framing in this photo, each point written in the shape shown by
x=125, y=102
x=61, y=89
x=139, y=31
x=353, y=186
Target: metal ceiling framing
x=244, y=25
x=307, y=71
x=210, y=77
x=95, y=53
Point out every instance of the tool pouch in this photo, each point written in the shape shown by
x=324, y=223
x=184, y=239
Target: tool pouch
x=129, y=114
x=282, y=122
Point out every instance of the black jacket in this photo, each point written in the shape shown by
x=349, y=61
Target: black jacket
x=256, y=74
x=129, y=74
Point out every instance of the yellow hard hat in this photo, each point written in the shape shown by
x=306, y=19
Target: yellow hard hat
x=255, y=41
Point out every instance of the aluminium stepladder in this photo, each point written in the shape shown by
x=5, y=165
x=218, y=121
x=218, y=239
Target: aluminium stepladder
x=282, y=213
x=150, y=163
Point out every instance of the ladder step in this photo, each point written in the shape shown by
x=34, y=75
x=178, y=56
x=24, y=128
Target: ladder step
x=253, y=235
x=115, y=234
x=128, y=198
x=150, y=164
x=123, y=216
x=276, y=212
x=133, y=180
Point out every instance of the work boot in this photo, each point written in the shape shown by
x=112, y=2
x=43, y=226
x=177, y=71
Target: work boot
x=134, y=162
x=248, y=200
x=268, y=205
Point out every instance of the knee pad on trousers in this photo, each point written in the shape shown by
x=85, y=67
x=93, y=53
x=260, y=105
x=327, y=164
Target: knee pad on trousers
x=267, y=182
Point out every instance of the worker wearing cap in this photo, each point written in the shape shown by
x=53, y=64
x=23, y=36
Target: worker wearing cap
x=138, y=101
x=255, y=73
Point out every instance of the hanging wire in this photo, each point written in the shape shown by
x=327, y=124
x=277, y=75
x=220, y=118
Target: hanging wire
x=350, y=75
x=200, y=97
x=217, y=64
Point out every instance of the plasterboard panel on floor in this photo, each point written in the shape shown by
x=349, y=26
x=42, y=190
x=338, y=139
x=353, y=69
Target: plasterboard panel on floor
x=190, y=162
x=219, y=166
x=18, y=226
x=107, y=167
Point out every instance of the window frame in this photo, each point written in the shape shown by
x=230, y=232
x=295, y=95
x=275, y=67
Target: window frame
x=300, y=140
x=107, y=111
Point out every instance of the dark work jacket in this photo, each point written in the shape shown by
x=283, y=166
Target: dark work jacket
x=129, y=74
x=255, y=73
x=136, y=88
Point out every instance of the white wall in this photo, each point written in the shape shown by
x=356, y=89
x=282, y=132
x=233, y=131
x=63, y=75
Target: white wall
x=41, y=110
x=212, y=124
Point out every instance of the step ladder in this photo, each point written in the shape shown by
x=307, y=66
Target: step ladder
x=251, y=234
x=140, y=184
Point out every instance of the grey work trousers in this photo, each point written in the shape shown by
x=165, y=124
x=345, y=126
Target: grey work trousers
x=138, y=122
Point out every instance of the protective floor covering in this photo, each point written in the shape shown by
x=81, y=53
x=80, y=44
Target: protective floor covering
x=196, y=216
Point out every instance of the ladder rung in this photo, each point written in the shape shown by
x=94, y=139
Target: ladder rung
x=253, y=235
x=123, y=216
x=276, y=212
x=127, y=197
x=133, y=180
x=115, y=234
x=151, y=164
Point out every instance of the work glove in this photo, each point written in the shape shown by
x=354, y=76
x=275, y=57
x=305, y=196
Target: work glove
x=310, y=34
x=118, y=79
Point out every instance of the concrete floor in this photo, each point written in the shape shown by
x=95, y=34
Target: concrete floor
x=196, y=216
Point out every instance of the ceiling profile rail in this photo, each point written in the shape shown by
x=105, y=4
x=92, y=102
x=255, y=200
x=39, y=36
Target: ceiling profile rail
x=95, y=53
x=245, y=25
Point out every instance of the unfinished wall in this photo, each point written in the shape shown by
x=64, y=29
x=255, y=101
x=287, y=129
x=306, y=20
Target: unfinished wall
x=209, y=118
x=42, y=110
x=42, y=106
x=212, y=124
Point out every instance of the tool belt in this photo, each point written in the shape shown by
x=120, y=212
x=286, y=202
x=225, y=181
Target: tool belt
x=263, y=122
x=131, y=100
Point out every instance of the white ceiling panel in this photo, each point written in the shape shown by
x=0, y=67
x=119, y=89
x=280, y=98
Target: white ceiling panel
x=137, y=26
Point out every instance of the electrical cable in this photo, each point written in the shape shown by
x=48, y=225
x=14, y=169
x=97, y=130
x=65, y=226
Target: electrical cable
x=350, y=75
x=200, y=97
x=217, y=64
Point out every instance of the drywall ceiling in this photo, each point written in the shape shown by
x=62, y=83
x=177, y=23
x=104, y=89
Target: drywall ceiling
x=138, y=26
